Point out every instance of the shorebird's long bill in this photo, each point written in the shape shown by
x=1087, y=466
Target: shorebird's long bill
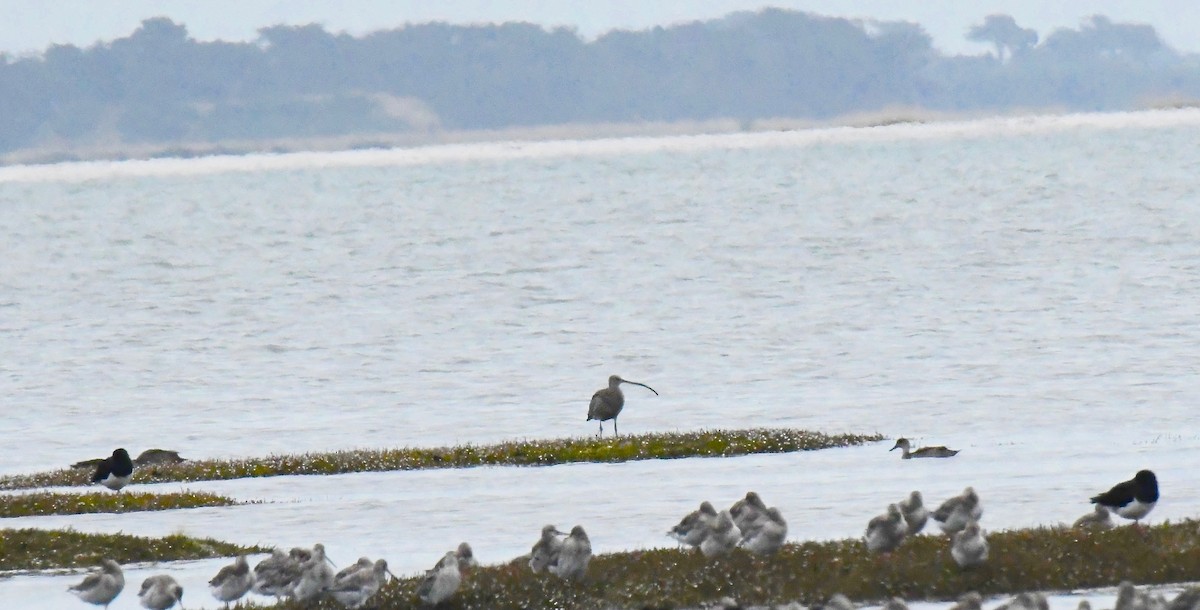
x=641, y=384
x=894, y=447
x=330, y=561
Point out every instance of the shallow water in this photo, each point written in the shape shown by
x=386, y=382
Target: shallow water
x=1024, y=290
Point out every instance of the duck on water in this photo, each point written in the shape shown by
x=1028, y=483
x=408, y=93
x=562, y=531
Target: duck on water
x=924, y=452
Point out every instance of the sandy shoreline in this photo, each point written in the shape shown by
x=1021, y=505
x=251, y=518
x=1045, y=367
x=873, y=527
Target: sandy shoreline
x=49, y=154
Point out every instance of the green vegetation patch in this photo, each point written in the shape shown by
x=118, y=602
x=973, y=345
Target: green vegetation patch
x=46, y=503
x=35, y=549
x=712, y=443
x=810, y=572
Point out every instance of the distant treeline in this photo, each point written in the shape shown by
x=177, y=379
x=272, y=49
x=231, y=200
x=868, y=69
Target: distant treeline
x=159, y=86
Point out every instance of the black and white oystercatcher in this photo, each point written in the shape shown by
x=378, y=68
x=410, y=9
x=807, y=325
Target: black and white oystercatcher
x=114, y=471
x=1132, y=499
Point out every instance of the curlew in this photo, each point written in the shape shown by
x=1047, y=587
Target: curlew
x=607, y=403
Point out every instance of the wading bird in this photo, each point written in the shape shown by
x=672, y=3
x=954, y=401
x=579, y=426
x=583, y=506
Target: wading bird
x=1132, y=499
x=101, y=587
x=607, y=403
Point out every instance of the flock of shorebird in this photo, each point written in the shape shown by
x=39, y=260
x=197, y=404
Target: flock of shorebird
x=307, y=574
x=300, y=574
x=959, y=516
x=748, y=524
x=158, y=592
x=1129, y=597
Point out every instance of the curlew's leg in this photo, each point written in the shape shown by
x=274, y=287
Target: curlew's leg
x=615, y=433
x=602, y=429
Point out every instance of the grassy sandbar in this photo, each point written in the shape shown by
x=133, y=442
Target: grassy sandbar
x=48, y=503
x=36, y=549
x=1021, y=560
x=711, y=443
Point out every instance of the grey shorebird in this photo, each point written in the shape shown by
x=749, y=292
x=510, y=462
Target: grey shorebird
x=955, y=513
x=607, y=403
x=363, y=563
x=970, y=600
x=1099, y=519
x=1030, y=601
x=839, y=601
x=720, y=535
x=969, y=547
x=274, y=575
x=747, y=510
x=160, y=592
x=101, y=587
x=442, y=581
x=914, y=512
x=316, y=575
x=766, y=534
x=466, y=556
x=545, y=551
x=574, y=556
x=151, y=457
x=353, y=588
x=924, y=452
x=693, y=528
x=885, y=532
x=232, y=581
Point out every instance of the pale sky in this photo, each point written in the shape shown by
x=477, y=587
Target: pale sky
x=31, y=25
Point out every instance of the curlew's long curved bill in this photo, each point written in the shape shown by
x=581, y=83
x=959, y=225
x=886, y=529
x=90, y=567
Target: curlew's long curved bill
x=641, y=384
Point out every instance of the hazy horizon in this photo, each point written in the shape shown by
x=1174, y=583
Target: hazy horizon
x=30, y=28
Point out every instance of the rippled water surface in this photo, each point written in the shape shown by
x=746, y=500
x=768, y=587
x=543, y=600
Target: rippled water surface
x=1027, y=290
